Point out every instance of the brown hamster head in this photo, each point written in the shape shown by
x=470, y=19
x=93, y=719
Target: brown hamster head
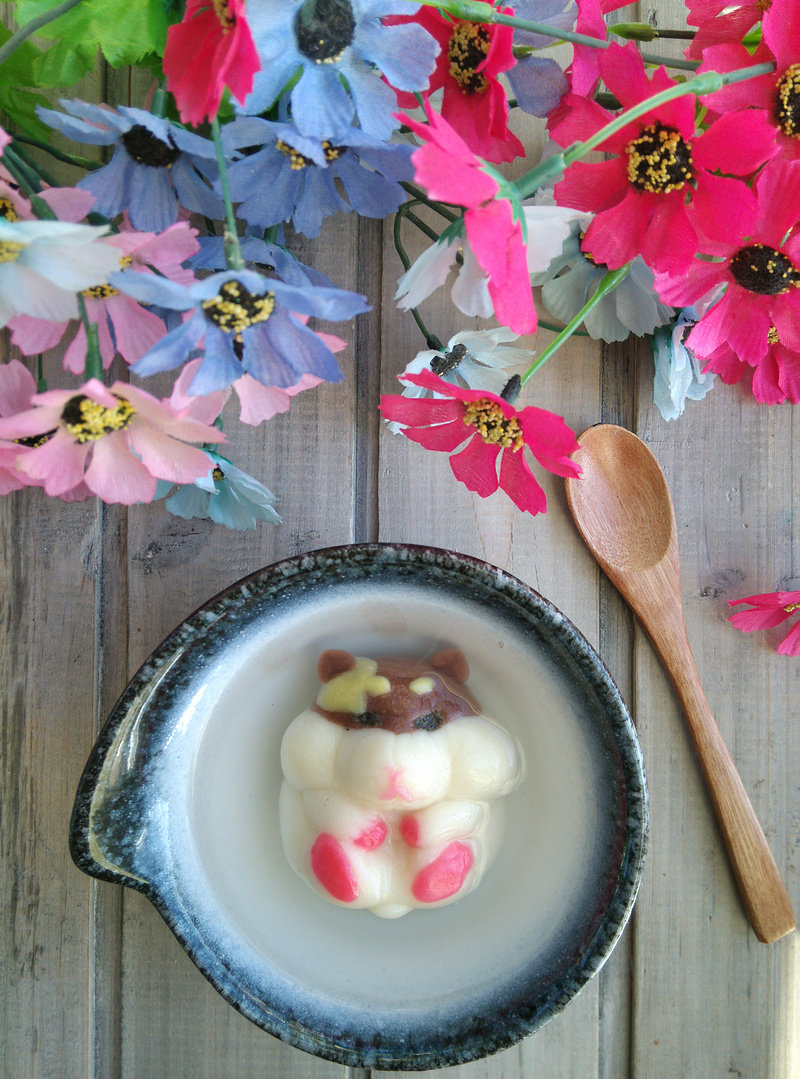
x=396, y=693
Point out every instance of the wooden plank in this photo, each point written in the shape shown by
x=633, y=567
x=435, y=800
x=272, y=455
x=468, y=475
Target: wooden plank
x=547, y=553
x=56, y=630
x=174, y=1023
x=698, y=968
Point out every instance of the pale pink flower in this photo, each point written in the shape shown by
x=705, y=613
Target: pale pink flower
x=124, y=327
x=119, y=441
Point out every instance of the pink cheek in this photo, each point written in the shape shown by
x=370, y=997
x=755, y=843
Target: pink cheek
x=445, y=875
x=372, y=836
x=333, y=869
x=409, y=830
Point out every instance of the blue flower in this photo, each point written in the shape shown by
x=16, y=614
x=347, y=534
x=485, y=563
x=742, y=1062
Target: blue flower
x=339, y=49
x=294, y=177
x=257, y=252
x=227, y=495
x=571, y=278
x=539, y=83
x=678, y=375
x=156, y=165
x=244, y=324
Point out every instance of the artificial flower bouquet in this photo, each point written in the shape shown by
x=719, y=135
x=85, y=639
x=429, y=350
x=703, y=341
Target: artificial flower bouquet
x=664, y=205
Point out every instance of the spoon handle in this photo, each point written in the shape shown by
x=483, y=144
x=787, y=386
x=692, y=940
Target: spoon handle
x=762, y=890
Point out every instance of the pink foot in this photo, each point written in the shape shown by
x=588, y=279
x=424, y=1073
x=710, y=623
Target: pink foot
x=409, y=830
x=373, y=835
x=333, y=868
x=445, y=874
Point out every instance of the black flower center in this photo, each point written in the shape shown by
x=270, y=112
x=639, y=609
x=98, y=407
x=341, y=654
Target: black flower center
x=86, y=420
x=467, y=49
x=324, y=29
x=148, y=149
x=659, y=160
x=787, y=101
x=441, y=365
x=763, y=270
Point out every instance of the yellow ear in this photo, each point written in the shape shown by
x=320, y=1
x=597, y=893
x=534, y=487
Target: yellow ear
x=349, y=691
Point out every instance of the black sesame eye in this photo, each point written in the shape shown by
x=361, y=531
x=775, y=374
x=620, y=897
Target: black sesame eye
x=431, y=721
x=366, y=719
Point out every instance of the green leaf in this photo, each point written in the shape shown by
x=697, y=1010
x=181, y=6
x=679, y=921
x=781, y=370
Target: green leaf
x=17, y=102
x=125, y=32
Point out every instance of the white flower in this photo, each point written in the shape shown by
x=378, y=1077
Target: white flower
x=432, y=268
x=43, y=264
x=226, y=495
x=477, y=359
x=678, y=376
x=547, y=228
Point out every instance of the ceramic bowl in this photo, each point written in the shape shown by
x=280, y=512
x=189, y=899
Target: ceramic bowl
x=179, y=800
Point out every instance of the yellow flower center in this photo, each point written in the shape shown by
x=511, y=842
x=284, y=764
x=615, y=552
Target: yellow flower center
x=787, y=101
x=492, y=425
x=102, y=292
x=7, y=211
x=659, y=160
x=217, y=474
x=792, y=607
x=233, y=309
x=86, y=420
x=772, y=336
x=299, y=161
x=467, y=49
x=224, y=14
x=10, y=251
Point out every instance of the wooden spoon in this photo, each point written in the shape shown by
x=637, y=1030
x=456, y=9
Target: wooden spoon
x=622, y=507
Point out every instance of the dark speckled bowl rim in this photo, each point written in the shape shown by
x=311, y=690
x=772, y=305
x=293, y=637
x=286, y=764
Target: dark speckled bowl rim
x=530, y=1013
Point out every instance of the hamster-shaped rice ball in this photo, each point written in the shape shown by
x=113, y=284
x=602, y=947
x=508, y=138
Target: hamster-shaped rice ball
x=392, y=782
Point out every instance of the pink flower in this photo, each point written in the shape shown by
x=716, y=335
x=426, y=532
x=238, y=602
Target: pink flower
x=779, y=91
x=491, y=427
x=584, y=72
x=770, y=609
x=720, y=21
x=210, y=49
x=449, y=170
x=118, y=441
x=760, y=272
x=17, y=387
x=124, y=326
x=471, y=57
x=661, y=194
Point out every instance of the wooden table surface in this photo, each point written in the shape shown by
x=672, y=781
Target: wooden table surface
x=93, y=982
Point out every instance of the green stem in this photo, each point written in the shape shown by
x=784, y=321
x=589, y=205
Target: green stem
x=431, y=339
x=474, y=11
x=41, y=381
x=30, y=28
x=422, y=196
x=233, y=249
x=34, y=166
x=707, y=83
x=608, y=284
x=59, y=155
x=27, y=180
x=94, y=361
x=643, y=31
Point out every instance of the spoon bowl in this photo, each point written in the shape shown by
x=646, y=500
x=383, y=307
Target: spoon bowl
x=622, y=500
x=623, y=509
